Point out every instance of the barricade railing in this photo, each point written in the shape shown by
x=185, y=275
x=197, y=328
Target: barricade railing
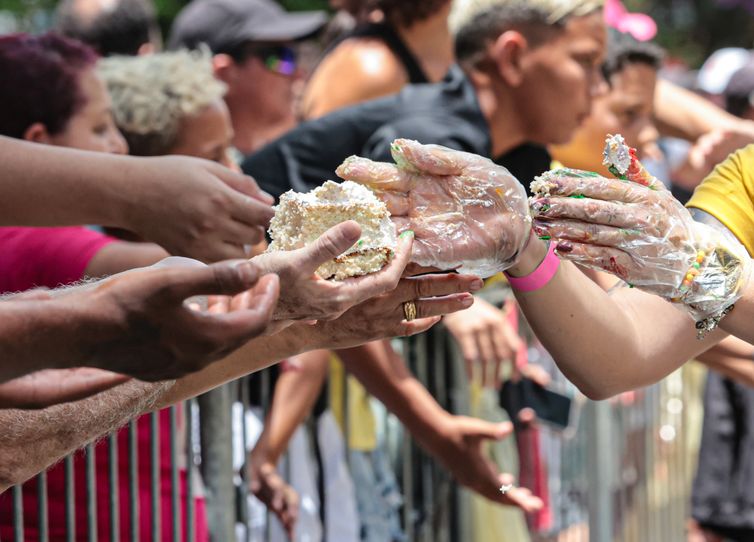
x=622, y=474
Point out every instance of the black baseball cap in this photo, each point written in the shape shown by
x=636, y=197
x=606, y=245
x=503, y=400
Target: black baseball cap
x=225, y=24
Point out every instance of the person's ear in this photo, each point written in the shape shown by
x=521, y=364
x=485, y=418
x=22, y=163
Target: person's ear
x=224, y=68
x=508, y=53
x=37, y=133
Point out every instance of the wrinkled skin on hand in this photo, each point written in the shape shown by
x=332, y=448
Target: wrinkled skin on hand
x=642, y=235
x=466, y=211
x=146, y=329
x=306, y=296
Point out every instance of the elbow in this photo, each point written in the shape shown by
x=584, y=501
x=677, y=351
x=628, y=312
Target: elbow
x=597, y=392
x=594, y=394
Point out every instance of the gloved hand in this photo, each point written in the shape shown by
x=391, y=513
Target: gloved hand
x=466, y=212
x=634, y=228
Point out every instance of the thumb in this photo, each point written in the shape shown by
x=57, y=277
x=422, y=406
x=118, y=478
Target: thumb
x=481, y=429
x=330, y=244
x=225, y=278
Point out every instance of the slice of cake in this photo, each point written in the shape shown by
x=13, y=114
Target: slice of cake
x=300, y=219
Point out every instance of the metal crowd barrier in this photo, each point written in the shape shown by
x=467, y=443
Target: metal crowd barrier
x=623, y=475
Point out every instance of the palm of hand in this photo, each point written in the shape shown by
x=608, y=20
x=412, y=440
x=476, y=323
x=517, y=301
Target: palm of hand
x=466, y=211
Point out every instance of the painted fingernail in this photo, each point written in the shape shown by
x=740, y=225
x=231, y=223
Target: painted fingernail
x=564, y=247
x=476, y=285
x=407, y=233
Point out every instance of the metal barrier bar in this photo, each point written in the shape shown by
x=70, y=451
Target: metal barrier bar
x=154, y=449
x=217, y=461
x=190, y=466
x=91, y=493
x=114, y=488
x=133, y=479
x=244, y=396
x=175, y=475
x=44, y=518
x=70, y=500
x=18, y=514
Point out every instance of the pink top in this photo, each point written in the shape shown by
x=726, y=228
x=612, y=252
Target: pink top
x=51, y=257
x=46, y=257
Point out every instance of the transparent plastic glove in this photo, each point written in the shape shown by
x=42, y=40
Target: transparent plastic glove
x=635, y=229
x=466, y=212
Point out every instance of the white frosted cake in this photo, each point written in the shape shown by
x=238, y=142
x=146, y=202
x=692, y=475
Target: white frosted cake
x=300, y=219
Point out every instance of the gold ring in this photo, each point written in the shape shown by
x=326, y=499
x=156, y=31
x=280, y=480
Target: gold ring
x=409, y=310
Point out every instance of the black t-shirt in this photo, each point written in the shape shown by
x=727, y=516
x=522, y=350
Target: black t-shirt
x=445, y=113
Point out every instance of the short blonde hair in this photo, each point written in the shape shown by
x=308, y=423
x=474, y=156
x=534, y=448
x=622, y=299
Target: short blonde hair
x=477, y=22
x=152, y=95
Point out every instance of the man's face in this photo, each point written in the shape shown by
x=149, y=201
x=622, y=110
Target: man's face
x=268, y=78
x=626, y=109
x=559, y=79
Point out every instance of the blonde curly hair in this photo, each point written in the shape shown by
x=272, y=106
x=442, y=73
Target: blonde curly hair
x=152, y=95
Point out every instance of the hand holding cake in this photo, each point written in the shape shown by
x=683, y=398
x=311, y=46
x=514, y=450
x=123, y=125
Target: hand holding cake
x=466, y=211
x=634, y=228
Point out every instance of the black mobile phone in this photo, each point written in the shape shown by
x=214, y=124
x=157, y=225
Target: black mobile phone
x=550, y=406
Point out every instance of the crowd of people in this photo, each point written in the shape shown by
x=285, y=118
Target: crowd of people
x=138, y=277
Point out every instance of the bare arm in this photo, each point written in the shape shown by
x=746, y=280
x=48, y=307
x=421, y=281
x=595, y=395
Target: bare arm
x=682, y=113
x=455, y=441
x=32, y=441
x=733, y=358
x=122, y=256
x=189, y=206
x=609, y=343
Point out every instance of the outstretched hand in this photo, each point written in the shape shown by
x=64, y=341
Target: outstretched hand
x=146, y=328
x=642, y=235
x=466, y=211
x=306, y=296
x=463, y=453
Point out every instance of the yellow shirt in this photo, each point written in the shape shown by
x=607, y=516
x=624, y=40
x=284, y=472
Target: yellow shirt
x=362, y=434
x=728, y=195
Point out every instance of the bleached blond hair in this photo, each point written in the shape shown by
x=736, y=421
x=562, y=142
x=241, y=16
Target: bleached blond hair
x=477, y=22
x=153, y=94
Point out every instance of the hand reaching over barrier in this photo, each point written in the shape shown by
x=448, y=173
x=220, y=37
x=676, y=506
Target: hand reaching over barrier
x=634, y=228
x=466, y=211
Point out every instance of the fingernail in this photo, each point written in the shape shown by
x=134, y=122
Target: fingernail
x=267, y=197
x=407, y=233
x=476, y=285
x=564, y=247
x=467, y=302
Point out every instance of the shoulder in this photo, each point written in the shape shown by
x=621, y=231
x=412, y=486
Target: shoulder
x=361, y=68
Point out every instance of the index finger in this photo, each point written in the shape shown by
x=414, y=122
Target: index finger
x=376, y=175
x=575, y=183
x=250, y=210
x=433, y=159
x=241, y=183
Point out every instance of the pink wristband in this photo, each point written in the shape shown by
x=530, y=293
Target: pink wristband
x=540, y=277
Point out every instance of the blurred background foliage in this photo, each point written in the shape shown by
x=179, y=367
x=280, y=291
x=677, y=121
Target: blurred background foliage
x=689, y=29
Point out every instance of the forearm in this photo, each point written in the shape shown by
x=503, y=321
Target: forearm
x=733, y=358
x=40, y=335
x=66, y=186
x=253, y=356
x=31, y=441
x=386, y=377
x=681, y=113
x=609, y=343
x=296, y=392
x=739, y=321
